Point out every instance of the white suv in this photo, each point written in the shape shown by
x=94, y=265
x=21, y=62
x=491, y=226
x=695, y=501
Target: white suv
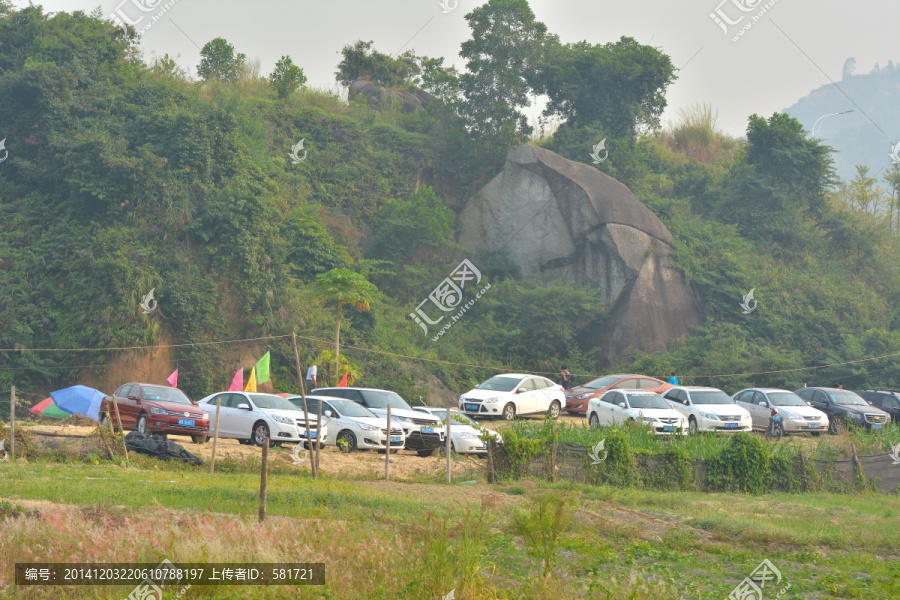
x=708, y=409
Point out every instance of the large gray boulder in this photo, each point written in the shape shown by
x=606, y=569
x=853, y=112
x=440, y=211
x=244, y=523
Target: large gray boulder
x=566, y=222
x=406, y=100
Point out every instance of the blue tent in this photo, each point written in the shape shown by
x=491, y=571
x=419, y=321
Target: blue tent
x=79, y=400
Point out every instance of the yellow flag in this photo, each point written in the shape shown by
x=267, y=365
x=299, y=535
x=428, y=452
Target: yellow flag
x=251, y=383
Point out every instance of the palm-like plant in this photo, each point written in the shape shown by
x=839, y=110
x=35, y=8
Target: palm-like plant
x=343, y=286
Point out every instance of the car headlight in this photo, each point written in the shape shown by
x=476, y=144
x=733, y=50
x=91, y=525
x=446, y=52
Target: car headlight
x=157, y=411
x=583, y=396
x=401, y=419
x=491, y=400
x=649, y=420
x=709, y=416
x=285, y=420
x=856, y=417
x=204, y=417
x=468, y=436
x=368, y=427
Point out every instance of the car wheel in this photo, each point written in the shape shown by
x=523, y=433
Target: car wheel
x=199, y=439
x=142, y=424
x=554, y=409
x=692, y=426
x=260, y=434
x=509, y=412
x=426, y=452
x=594, y=421
x=349, y=438
x=452, y=449
x=834, y=426
x=775, y=432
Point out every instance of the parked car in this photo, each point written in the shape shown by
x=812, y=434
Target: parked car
x=843, y=408
x=708, y=409
x=354, y=424
x=423, y=433
x=465, y=434
x=514, y=394
x=314, y=432
x=578, y=397
x=157, y=409
x=796, y=415
x=649, y=408
x=886, y=400
x=251, y=417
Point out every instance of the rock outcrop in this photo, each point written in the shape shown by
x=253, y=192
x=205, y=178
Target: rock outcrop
x=406, y=100
x=567, y=222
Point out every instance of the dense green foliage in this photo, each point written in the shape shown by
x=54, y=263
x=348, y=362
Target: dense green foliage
x=122, y=178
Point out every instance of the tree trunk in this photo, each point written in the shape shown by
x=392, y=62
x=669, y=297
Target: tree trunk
x=337, y=346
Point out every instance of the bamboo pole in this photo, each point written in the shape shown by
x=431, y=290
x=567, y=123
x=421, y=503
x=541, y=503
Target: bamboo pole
x=12, y=423
x=387, y=450
x=212, y=460
x=263, y=481
x=318, y=436
x=313, y=463
x=119, y=421
x=449, y=446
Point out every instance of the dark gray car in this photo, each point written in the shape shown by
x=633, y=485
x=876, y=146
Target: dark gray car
x=843, y=408
x=886, y=400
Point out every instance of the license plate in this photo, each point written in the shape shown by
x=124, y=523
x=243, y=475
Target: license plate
x=395, y=438
x=814, y=425
x=731, y=425
x=668, y=428
x=428, y=430
x=484, y=447
x=472, y=407
x=877, y=426
x=187, y=422
x=312, y=434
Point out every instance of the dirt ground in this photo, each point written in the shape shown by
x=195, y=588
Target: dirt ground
x=405, y=464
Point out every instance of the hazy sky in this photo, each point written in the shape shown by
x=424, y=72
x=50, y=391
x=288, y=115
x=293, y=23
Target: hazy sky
x=795, y=47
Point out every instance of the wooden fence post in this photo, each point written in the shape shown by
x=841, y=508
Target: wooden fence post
x=119, y=422
x=263, y=481
x=12, y=423
x=449, y=448
x=387, y=451
x=313, y=460
x=212, y=460
x=490, y=445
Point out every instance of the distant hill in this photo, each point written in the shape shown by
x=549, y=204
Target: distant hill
x=855, y=139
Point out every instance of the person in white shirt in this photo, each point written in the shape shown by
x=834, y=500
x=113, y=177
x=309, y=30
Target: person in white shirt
x=311, y=378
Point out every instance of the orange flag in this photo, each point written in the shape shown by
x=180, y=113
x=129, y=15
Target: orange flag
x=343, y=382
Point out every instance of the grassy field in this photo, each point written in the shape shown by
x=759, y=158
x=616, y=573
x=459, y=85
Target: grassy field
x=420, y=539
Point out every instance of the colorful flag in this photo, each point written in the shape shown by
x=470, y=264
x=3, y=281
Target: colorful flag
x=237, y=384
x=173, y=378
x=343, y=382
x=262, y=369
x=251, y=383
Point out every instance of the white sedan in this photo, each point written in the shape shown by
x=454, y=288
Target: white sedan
x=708, y=409
x=649, y=408
x=355, y=426
x=514, y=394
x=250, y=417
x=465, y=434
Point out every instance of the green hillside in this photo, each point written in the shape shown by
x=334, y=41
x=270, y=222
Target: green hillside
x=124, y=177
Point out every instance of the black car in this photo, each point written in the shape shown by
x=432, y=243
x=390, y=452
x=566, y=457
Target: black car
x=424, y=432
x=886, y=400
x=844, y=407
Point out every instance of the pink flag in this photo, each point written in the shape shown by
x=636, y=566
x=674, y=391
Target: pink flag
x=237, y=384
x=173, y=378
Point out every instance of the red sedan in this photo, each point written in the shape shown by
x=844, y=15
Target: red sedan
x=157, y=409
x=578, y=397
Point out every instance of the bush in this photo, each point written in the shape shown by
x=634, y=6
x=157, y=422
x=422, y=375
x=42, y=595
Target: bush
x=743, y=466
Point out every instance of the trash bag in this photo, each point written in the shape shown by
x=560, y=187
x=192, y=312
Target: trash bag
x=160, y=448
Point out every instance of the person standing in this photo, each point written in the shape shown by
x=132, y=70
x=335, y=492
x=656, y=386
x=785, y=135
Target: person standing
x=673, y=380
x=566, y=378
x=311, y=378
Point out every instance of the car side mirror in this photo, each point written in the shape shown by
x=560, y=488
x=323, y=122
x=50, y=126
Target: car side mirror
x=622, y=404
x=762, y=403
x=132, y=396
x=809, y=403
x=244, y=406
x=520, y=390
x=328, y=413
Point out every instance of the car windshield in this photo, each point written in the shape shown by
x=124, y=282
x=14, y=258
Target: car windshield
x=602, y=382
x=715, y=397
x=349, y=408
x=500, y=384
x=381, y=399
x=786, y=399
x=274, y=402
x=847, y=398
x=165, y=394
x=647, y=401
x=458, y=417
